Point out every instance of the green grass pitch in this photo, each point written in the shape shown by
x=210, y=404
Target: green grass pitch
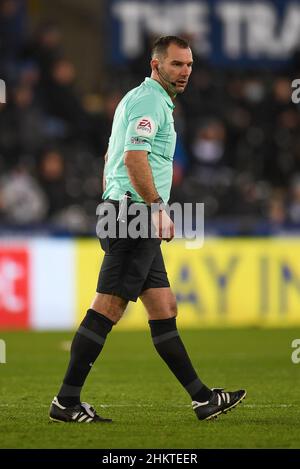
x=131, y=384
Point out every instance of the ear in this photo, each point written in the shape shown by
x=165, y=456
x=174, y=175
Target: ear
x=154, y=64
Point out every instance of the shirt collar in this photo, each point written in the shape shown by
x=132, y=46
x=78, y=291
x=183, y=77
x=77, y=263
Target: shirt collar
x=157, y=86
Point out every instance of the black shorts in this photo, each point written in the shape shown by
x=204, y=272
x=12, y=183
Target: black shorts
x=131, y=266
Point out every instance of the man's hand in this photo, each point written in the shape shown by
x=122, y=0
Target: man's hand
x=163, y=225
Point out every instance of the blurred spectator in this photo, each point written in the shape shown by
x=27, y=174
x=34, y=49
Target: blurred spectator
x=208, y=147
x=21, y=126
x=22, y=200
x=61, y=100
x=293, y=210
x=103, y=122
x=277, y=214
x=52, y=179
x=210, y=167
x=45, y=48
x=12, y=35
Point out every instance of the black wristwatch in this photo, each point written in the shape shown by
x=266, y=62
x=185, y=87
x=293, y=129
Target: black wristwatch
x=158, y=205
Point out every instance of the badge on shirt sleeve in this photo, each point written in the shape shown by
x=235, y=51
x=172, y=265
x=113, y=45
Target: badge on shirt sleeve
x=145, y=127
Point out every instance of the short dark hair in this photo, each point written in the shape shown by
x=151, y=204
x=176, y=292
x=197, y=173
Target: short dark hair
x=161, y=45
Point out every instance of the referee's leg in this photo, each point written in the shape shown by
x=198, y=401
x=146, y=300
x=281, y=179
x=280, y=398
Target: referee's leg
x=161, y=307
x=111, y=306
x=104, y=313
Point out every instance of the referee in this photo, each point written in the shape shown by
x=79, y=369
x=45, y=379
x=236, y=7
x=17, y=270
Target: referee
x=138, y=170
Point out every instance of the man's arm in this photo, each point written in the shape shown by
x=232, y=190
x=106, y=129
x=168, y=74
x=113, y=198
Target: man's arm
x=140, y=175
x=103, y=179
x=141, y=178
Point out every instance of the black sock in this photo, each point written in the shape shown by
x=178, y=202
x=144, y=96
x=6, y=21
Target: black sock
x=171, y=349
x=86, y=346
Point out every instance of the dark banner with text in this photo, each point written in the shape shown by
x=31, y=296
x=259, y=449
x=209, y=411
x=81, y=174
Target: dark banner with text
x=224, y=32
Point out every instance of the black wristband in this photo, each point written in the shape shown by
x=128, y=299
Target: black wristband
x=158, y=205
x=159, y=200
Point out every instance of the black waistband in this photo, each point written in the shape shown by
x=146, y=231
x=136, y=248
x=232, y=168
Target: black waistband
x=111, y=201
x=116, y=202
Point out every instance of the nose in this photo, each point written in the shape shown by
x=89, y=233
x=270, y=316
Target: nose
x=186, y=71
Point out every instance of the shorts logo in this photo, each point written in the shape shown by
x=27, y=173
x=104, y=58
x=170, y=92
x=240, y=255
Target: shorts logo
x=145, y=127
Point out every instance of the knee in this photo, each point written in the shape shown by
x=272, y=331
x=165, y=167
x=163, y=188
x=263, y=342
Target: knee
x=114, y=314
x=169, y=311
x=173, y=309
x=110, y=306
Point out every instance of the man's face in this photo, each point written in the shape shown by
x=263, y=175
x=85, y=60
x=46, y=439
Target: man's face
x=176, y=67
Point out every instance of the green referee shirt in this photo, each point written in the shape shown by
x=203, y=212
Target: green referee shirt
x=143, y=121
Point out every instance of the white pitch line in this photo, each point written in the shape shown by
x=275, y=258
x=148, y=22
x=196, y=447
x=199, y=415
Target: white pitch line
x=268, y=406
x=248, y=406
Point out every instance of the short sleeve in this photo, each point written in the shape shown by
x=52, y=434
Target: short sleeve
x=144, y=120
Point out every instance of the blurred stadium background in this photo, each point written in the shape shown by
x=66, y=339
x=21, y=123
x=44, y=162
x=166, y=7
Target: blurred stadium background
x=66, y=65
